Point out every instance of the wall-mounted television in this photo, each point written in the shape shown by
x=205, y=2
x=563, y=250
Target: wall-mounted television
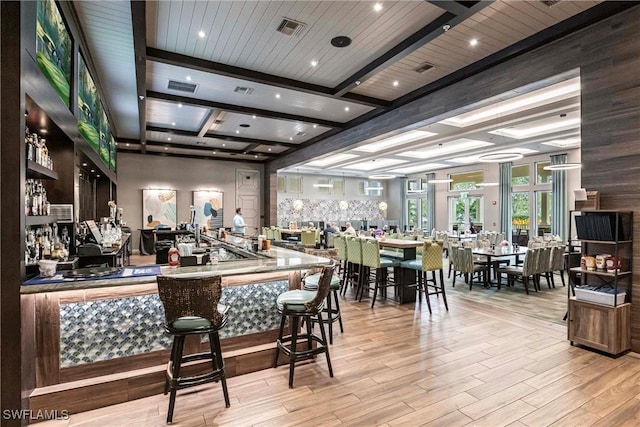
x=54, y=48
x=89, y=106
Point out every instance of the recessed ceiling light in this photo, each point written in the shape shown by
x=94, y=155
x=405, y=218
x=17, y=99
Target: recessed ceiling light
x=173, y=123
x=98, y=176
x=277, y=95
x=396, y=83
x=314, y=63
x=269, y=149
x=564, y=143
x=201, y=34
x=168, y=139
x=224, y=145
x=84, y=164
x=214, y=152
x=179, y=105
x=256, y=156
x=290, y=138
x=254, y=116
x=93, y=170
x=473, y=42
x=237, y=131
x=116, y=143
x=128, y=144
x=377, y=7
x=382, y=176
x=188, y=78
x=315, y=126
x=43, y=131
x=346, y=108
x=166, y=148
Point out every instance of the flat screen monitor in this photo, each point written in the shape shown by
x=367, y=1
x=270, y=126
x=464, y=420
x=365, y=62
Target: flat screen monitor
x=96, y=235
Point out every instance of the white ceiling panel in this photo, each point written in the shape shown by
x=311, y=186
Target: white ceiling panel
x=192, y=152
x=189, y=140
x=265, y=128
x=496, y=27
x=172, y=116
x=268, y=149
x=217, y=88
x=243, y=33
x=109, y=35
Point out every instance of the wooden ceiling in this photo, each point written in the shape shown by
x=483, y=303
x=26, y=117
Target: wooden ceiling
x=255, y=93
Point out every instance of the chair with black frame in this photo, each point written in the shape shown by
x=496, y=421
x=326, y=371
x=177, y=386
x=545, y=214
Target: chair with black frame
x=305, y=305
x=463, y=263
x=371, y=260
x=191, y=307
x=431, y=261
x=524, y=272
x=557, y=263
x=332, y=309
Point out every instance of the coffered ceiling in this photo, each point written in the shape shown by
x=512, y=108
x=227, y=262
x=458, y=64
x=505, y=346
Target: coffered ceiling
x=252, y=80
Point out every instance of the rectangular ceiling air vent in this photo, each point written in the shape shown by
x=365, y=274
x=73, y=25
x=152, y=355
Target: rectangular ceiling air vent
x=301, y=133
x=218, y=122
x=291, y=27
x=182, y=86
x=550, y=2
x=243, y=90
x=423, y=67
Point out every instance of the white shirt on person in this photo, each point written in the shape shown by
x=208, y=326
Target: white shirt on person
x=238, y=224
x=350, y=230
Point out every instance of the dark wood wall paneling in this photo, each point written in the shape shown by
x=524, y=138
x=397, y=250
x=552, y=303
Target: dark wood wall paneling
x=607, y=57
x=16, y=382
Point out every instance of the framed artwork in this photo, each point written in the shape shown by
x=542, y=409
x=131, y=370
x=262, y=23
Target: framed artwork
x=159, y=209
x=53, y=48
x=209, y=208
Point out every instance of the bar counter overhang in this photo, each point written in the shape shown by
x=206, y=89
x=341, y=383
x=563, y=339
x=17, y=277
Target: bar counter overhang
x=100, y=342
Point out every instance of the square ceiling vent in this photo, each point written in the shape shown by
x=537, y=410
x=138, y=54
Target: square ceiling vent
x=182, y=86
x=423, y=67
x=291, y=27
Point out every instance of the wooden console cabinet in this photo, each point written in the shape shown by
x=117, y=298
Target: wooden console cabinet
x=600, y=327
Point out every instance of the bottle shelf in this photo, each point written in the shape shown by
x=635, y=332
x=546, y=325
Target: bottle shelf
x=36, y=171
x=40, y=220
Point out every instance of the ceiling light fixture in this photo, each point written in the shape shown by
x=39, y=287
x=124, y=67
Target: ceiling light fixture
x=214, y=152
x=451, y=147
x=179, y=105
x=410, y=136
x=188, y=78
x=382, y=206
x=93, y=170
x=499, y=157
x=446, y=27
x=396, y=83
x=254, y=116
x=366, y=188
x=168, y=139
x=346, y=108
x=343, y=205
x=128, y=144
x=277, y=96
x=201, y=34
x=269, y=149
x=314, y=63
x=381, y=176
x=564, y=143
x=84, y=164
x=173, y=123
x=563, y=166
x=440, y=181
x=486, y=184
x=290, y=138
x=377, y=7
x=224, y=145
x=473, y=42
x=336, y=158
x=315, y=126
x=323, y=185
x=237, y=131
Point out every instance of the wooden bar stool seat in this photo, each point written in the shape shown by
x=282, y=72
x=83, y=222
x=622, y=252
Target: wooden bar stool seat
x=191, y=308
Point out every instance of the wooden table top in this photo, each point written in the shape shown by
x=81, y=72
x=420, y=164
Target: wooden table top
x=400, y=243
x=500, y=251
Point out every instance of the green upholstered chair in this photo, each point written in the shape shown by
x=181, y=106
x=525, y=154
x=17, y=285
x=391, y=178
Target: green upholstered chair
x=308, y=237
x=332, y=308
x=354, y=257
x=191, y=308
x=277, y=235
x=270, y=233
x=371, y=260
x=340, y=243
x=431, y=261
x=308, y=306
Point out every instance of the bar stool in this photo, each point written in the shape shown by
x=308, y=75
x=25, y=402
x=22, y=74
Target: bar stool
x=340, y=244
x=371, y=259
x=333, y=313
x=191, y=308
x=354, y=256
x=431, y=261
x=301, y=304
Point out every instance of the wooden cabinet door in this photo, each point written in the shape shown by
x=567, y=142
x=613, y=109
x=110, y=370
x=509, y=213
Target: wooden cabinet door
x=590, y=324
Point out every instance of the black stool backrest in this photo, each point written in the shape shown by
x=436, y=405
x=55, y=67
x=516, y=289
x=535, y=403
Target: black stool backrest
x=191, y=297
x=324, y=285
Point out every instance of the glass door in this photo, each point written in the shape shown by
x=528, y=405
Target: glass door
x=463, y=211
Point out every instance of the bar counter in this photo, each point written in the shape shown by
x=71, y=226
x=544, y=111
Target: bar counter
x=98, y=342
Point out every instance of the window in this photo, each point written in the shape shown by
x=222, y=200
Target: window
x=543, y=176
x=466, y=180
x=520, y=175
x=543, y=211
x=520, y=218
x=424, y=220
x=463, y=210
x=282, y=184
x=416, y=186
x=412, y=213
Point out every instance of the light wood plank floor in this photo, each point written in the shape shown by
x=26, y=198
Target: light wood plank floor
x=496, y=358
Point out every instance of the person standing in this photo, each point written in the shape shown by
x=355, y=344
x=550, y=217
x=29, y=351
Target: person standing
x=239, y=225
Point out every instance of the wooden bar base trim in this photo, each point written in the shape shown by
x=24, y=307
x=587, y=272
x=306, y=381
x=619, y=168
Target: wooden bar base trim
x=93, y=393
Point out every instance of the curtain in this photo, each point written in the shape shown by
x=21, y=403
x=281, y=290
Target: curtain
x=504, y=198
x=559, y=208
x=403, y=203
x=431, y=202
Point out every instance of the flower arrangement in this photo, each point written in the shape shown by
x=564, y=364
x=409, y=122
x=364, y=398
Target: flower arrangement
x=504, y=243
x=378, y=232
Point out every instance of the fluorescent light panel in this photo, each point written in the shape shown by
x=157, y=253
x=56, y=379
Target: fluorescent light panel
x=336, y=158
x=536, y=130
x=520, y=103
x=447, y=148
x=474, y=158
x=419, y=168
x=564, y=143
x=404, y=138
x=373, y=165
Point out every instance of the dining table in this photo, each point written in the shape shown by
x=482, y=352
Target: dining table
x=493, y=257
x=404, y=276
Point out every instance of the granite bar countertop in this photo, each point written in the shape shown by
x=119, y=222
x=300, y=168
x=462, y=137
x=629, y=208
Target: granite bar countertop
x=276, y=259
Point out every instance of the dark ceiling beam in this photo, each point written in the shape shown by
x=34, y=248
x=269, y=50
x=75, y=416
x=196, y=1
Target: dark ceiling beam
x=139, y=25
x=191, y=156
x=409, y=45
x=207, y=149
x=240, y=139
x=184, y=61
x=269, y=114
x=208, y=122
x=450, y=6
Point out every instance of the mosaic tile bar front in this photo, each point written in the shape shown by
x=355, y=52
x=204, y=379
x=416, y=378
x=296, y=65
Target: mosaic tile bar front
x=108, y=329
